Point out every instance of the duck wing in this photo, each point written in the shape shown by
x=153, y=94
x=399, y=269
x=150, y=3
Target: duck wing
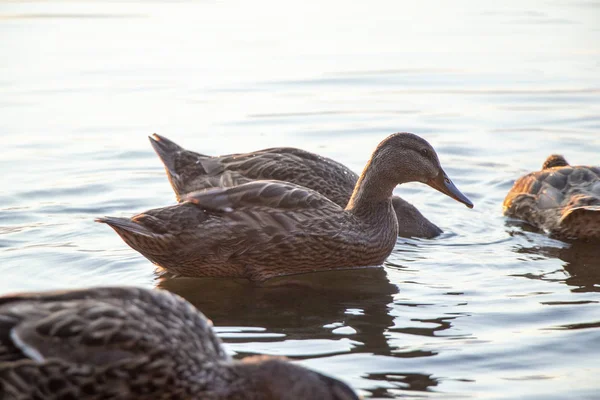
x=189, y=171
x=118, y=343
x=322, y=174
x=276, y=195
x=580, y=216
x=281, y=163
x=563, y=200
x=103, y=326
x=203, y=207
x=581, y=222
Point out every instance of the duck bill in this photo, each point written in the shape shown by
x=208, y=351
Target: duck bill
x=443, y=184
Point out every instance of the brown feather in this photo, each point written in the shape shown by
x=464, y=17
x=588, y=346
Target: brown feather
x=133, y=343
x=561, y=199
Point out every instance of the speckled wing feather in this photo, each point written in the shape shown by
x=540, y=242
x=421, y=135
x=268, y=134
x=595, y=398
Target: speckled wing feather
x=560, y=199
x=330, y=178
x=283, y=162
x=583, y=222
x=64, y=343
x=189, y=171
x=100, y=326
x=272, y=194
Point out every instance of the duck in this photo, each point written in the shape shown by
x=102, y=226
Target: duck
x=189, y=171
x=560, y=199
x=135, y=343
x=267, y=228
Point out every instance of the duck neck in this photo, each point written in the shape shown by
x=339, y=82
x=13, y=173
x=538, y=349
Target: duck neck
x=227, y=380
x=247, y=378
x=372, y=190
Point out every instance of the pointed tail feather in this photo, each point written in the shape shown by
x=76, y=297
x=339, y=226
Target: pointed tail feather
x=123, y=225
x=166, y=150
x=581, y=222
x=182, y=166
x=143, y=238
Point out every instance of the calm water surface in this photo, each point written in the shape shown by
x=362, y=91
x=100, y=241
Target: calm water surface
x=488, y=310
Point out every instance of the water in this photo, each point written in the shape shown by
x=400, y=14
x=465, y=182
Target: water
x=488, y=310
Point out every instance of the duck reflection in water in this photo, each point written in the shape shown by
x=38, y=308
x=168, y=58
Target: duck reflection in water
x=311, y=307
x=581, y=258
x=408, y=381
x=299, y=306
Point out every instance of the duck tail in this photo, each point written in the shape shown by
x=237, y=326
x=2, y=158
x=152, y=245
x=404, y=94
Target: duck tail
x=581, y=222
x=125, y=226
x=167, y=150
x=172, y=155
x=182, y=166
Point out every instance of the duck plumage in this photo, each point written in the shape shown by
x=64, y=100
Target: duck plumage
x=561, y=199
x=262, y=229
x=133, y=343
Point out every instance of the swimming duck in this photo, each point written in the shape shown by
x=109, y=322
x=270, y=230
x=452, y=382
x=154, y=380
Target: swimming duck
x=189, y=171
x=561, y=199
x=132, y=343
x=261, y=229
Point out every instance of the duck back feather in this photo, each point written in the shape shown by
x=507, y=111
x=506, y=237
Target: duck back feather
x=561, y=199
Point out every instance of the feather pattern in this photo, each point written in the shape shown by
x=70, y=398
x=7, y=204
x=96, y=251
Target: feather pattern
x=561, y=199
x=131, y=343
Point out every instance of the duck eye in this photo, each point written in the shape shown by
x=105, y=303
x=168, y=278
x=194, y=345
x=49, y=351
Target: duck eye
x=424, y=152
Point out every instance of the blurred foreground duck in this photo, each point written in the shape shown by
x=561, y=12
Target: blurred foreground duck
x=263, y=229
x=189, y=171
x=561, y=199
x=132, y=343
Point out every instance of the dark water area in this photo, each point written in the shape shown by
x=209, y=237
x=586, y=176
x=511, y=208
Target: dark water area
x=490, y=309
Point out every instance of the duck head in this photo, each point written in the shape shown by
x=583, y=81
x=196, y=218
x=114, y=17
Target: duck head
x=406, y=157
x=555, y=160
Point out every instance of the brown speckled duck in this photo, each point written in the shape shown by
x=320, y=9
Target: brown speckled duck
x=189, y=171
x=132, y=343
x=263, y=229
x=561, y=199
